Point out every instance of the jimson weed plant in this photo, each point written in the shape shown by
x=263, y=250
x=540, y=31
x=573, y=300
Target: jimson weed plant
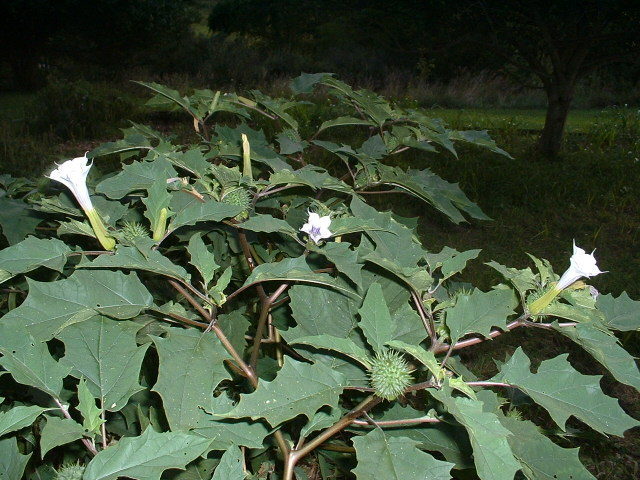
x=230, y=308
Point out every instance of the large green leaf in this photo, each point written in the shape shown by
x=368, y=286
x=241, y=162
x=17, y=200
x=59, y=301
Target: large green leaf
x=444, y=196
x=565, y=392
x=395, y=458
x=17, y=219
x=320, y=310
x=199, y=211
x=605, y=349
x=59, y=431
x=137, y=176
x=375, y=319
x=230, y=466
x=426, y=357
x=172, y=95
x=50, y=306
x=524, y=280
x=450, y=440
x=343, y=345
x=478, y=311
x=393, y=241
x=105, y=353
x=30, y=254
x=294, y=270
x=132, y=258
x=344, y=258
x=268, y=224
x=340, y=121
x=202, y=258
x=298, y=389
x=147, y=456
x=492, y=454
x=540, y=458
x=29, y=361
x=12, y=462
x=191, y=366
x=620, y=313
x=225, y=432
x=19, y=417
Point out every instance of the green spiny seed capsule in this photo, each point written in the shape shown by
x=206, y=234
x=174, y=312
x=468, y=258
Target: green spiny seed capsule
x=240, y=197
x=389, y=374
x=133, y=230
x=72, y=471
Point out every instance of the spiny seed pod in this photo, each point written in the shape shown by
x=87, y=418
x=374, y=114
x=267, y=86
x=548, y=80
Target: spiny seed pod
x=72, y=471
x=132, y=230
x=389, y=374
x=240, y=197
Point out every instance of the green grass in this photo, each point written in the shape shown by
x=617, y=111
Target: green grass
x=13, y=105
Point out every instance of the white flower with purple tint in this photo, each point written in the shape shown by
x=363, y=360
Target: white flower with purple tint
x=317, y=227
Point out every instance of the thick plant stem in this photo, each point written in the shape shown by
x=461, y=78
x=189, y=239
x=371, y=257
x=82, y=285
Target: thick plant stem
x=294, y=456
x=262, y=322
x=427, y=321
x=247, y=371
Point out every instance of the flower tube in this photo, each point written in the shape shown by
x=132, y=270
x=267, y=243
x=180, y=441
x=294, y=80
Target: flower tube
x=581, y=265
x=317, y=227
x=73, y=174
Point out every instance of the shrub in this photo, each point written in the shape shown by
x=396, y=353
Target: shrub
x=230, y=294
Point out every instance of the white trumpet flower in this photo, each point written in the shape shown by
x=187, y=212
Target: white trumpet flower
x=317, y=227
x=582, y=265
x=73, y=175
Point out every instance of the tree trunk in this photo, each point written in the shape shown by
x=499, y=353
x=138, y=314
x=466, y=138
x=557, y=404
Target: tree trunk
x=559, y=99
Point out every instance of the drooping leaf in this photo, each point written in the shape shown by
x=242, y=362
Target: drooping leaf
x=59, y=431
x=479, y=311
x=299, y=388
x=202, y=258
x=137, y=176
x=375, y=319
x=606, y=350
x=306, y=81
x=30, y=254
x=191, y=366
x=12, y=462
x=19, y=417
x=340, y=121
x=540, y=458
x=50, y=306
x=147, y=456
x=230, y=466
x=310, y=176
x=620, y=313
x=106, y=354
x=426, y=357
x=565, y=392
x=342, y=345
x=132, y=258
x=172, y=95
x=294, y=270
x=492, y=454
x=91, y=420
x=395, y=458
x=29, y=361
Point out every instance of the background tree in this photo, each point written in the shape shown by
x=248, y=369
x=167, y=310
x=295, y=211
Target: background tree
x=553, y=44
